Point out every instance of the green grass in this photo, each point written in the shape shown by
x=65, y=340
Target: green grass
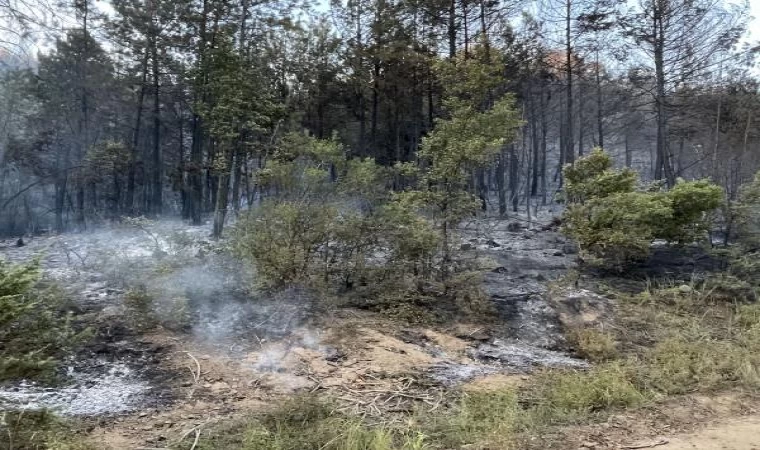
x=308, y=423
x=39, y=430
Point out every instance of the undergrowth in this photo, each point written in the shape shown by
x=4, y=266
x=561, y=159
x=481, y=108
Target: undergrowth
x=38, y=430
x=35, y=330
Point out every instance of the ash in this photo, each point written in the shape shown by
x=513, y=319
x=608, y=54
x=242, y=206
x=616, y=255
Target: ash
x=117, y=391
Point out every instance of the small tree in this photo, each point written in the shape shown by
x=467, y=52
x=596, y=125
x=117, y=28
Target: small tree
x=34, y=333
x=615, y=224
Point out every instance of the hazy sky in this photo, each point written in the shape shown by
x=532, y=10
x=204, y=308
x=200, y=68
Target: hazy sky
x=754, y=26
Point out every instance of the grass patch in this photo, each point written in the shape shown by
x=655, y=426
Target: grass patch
x=592, y=344
x=562, y=396
x=479, y=420
x=679, y=365
x=38, y=430
x=308, y=423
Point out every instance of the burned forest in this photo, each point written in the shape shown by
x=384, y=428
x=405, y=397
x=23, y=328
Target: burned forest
x=379, y=224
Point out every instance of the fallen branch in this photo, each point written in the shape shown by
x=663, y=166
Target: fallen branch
x=647, y=445
x=197, y=374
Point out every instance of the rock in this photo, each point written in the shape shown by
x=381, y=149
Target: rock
x=590, y=445
x=493, y=244
x=685, y=289
x=558, y=253
x=466, y=246
x=20, y=242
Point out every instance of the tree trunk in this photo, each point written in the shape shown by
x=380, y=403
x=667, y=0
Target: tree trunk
x=514, y=177
x=599, y=112
x=663, y=165
x=569, y=142
x=452, y=30
x=237, y=175
x=220, y=211
x=156, y=170
x=500, y=175
x=129, y=200
x=196, y=151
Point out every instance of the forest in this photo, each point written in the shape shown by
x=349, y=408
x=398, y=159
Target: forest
x=175, y=108
x=379, y=225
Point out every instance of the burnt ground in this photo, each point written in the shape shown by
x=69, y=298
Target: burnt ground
x=237, y=350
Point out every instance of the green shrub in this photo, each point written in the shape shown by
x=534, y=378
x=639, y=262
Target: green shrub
x=593, y=177
x=616, y=229
x=690, y=200
x=615, y=224
x=283, y=239
x=35, y=332
x=145, y=312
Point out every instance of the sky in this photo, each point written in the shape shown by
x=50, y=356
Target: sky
x=754, y=25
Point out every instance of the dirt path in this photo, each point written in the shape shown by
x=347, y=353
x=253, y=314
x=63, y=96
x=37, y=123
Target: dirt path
x=739, y=434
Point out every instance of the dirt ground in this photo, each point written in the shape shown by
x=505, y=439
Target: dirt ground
x=728, y=421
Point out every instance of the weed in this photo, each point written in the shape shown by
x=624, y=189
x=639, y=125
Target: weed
x=479, y=420
x=564, y=395
x=307, y=423
x=592, y=344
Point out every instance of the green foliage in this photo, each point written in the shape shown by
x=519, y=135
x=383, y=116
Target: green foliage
x=689, y=200
x=34, y=332
x=680, y=364
x=616, y=229
x=614, y=224
x=284, y=239
x=593, y=177
x=145, y=312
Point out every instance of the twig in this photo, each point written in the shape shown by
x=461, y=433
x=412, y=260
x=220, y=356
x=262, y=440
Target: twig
x=197, y=437
x=649, y=445
x=197, y=375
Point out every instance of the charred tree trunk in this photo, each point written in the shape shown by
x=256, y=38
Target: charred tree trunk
x=156, y=170
x=129, y=200
x=222, y=193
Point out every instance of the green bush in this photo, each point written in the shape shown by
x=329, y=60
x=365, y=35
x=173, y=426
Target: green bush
x=35, y=332
x=690, y=201
x=616, y=229
x=593, y=177
x=615, y=224
x=284, y=239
